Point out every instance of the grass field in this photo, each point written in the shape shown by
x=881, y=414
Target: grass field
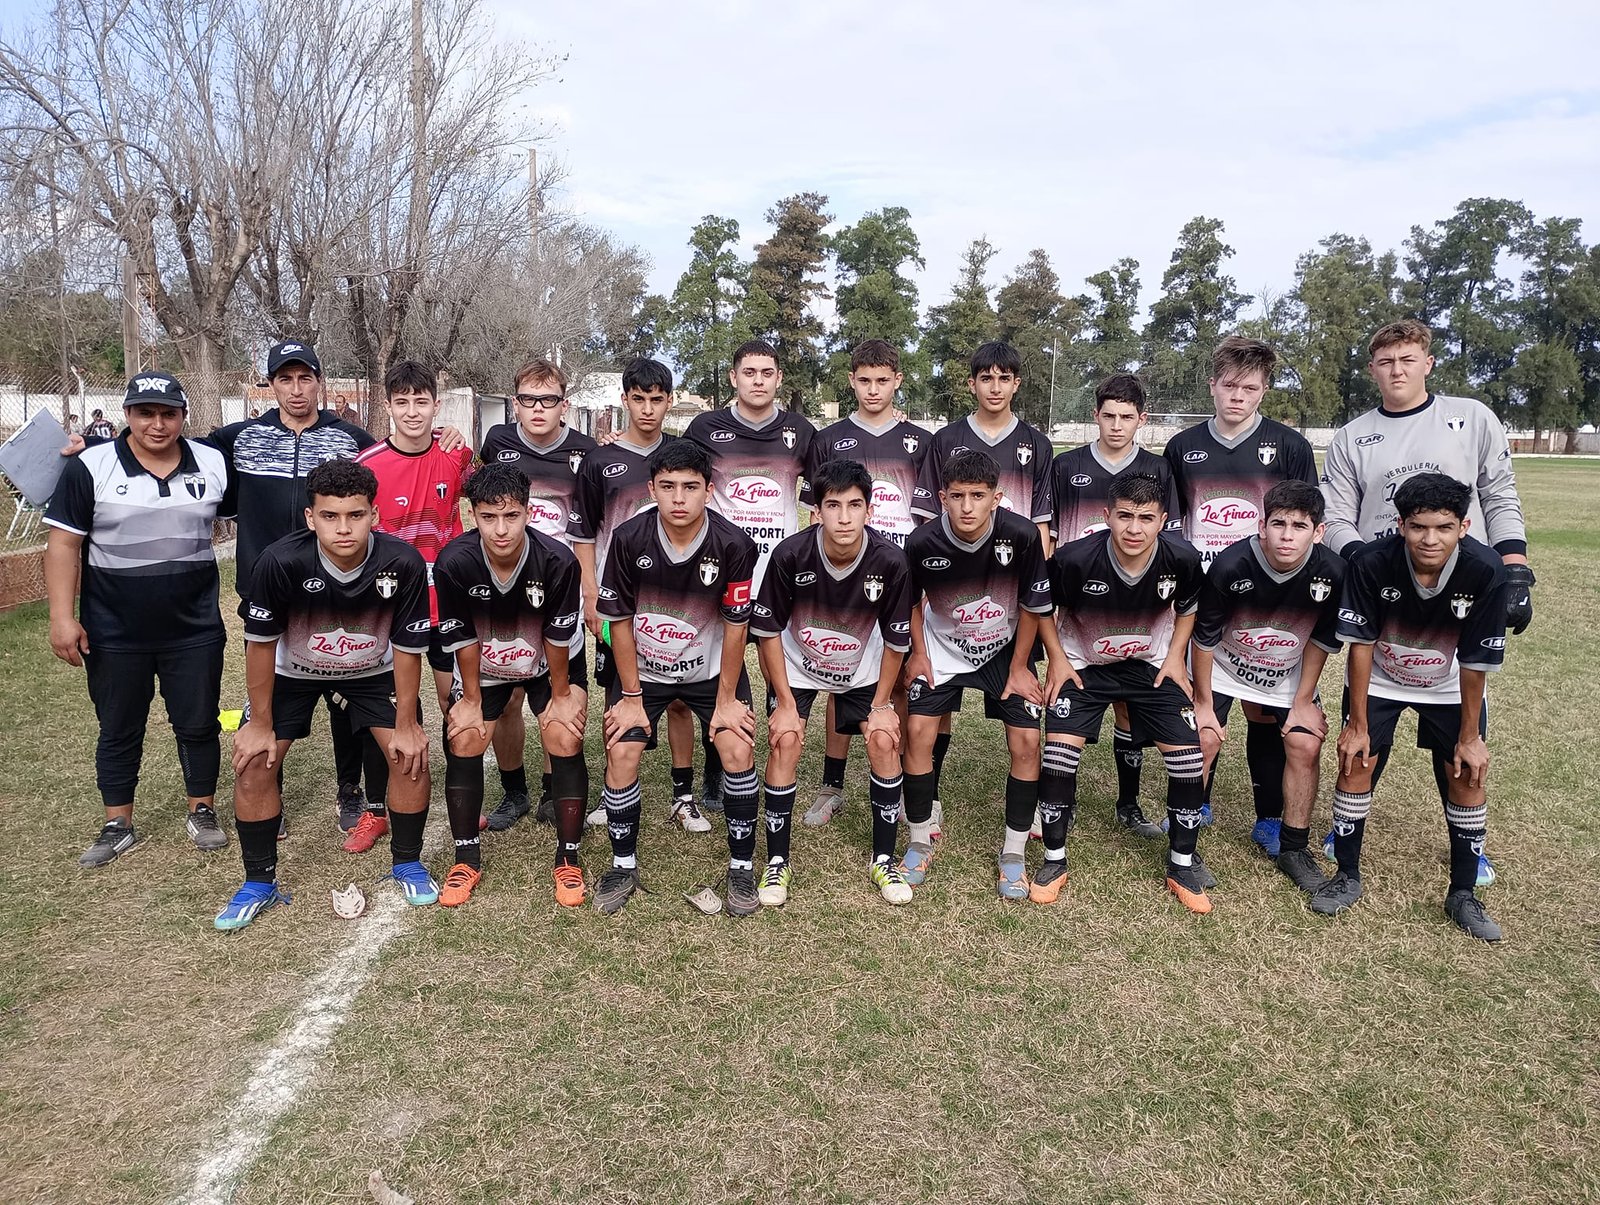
x=1112, y=1047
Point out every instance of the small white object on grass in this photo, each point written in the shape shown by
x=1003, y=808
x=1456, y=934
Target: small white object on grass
x=349, y=903
x=382, y=1193
x=703, y=899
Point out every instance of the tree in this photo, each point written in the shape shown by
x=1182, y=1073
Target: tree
x=1557, y=377
x=700, y=328
x=786, y=271
x=1197, y=306
x=1545, y=386
x=874, y=298
x=1110, y=341
x=1041, y=324
x=958, y=328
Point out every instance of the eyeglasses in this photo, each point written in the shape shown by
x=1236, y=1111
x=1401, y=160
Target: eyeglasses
x=541, y=401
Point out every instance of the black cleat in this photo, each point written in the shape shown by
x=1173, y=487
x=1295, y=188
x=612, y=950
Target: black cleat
x=546, y=811
x=742, y=896
x=711, y=791
x=1132, y=818
x=512, y=808
x=352, y=802
x=1466, y=909
x=1300, y=868
x=204, y=830
x=115, y=839
x=1207, y=879
x=1337, y=894
x=615, y=887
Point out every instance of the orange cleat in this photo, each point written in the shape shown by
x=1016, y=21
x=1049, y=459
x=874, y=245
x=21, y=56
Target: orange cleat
x=365, y=834
x=458, y=885
x=1048, y=882
x=569, y=885
x=1186, y=883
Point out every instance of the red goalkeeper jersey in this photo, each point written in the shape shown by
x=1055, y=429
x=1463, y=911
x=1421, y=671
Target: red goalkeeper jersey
x=419, y=498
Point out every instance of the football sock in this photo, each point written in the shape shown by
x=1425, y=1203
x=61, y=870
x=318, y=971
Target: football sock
x=941, y=746
x=1467, y=826
x=919, y=806
x=1058, y=795
x=258, y=844
x=1263, y=749
x=833, y=771
x=740, y=803
x=375, y=764
x=682, y=781
x=569, y=787
x=1349, y=826
x=1022, y=797
x=1130, y=765
x=514, y=782
x=1185, y=795
x=622, y=821
x=463, y=800
x=712, y=776
x=405, y=835
x=779, y=809
x=885, y=814
x=1292, y=839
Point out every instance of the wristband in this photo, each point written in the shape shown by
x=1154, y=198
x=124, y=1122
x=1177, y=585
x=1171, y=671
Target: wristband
x=881, y=707
x=633, y=694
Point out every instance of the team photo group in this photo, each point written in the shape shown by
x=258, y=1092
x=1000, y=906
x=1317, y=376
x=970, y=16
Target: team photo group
x=1197, y=594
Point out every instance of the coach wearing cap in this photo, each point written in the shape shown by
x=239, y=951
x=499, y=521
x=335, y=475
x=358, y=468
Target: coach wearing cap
x=130, y=538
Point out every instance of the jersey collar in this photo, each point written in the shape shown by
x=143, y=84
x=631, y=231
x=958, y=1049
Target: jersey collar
x=835, y=573
x=889, y=425
x=950, y=534
x=1427, y=592
x=1230, y=444
x=504, y=585
x=1266, y=566
x=972, y=422
x=1113, y=466
x=669, y=550
x=1427, y=404
x=522, y=436
x=339, y=575
x=132, y=468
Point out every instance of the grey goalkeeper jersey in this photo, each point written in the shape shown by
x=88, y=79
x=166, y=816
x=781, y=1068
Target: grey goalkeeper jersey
x=1372, y=455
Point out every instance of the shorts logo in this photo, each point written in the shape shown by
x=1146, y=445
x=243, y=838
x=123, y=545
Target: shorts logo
x=575, y=460
x=1267, y=453
x=764, y=612
x=708, y=571
x=644, y=562
x=910, y=443
x=873, y=588
x=441, y=489
x=478, y=592
x=1346, y=615
x=936, y=562
x=448, y=625
x=1461, y=605
x=844, y=445
x=607, y=593
x=1456, y=422
x=1366, y=441
x=195, y=484
x=1194, y=457
x=419, y=627
x=1002, y=551
x=1081, y=479
x=1243, y=586
x=614, y=470
x=1188, y=717
x=914, y=691
x=1389, y=594
x=1321, y=587
x=1095, y=586
x=388, y=584
x=1166, y=587
x=535, y=593
x=1493, y=642
x=313, y=584
x=510, y=455
x=1033, y=709
x=1024, y=453
x=1062, y=707
x=722, y=437
x=804, y=579
x=265, y=616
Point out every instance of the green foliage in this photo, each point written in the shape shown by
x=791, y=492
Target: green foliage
x=1110, y=340
x=702, y=323
x=42, y=325
x=1041, y=323
x=874, y=297
x=784, y=281
x=957, y=328
x=1197, y=306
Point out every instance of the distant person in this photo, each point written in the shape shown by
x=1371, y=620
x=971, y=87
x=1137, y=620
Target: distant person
x=74, y=425
x=99, y=427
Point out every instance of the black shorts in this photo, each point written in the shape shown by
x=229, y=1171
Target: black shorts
x=443, y=662
x=698, y=697
x=850, y=707
x=368, y=702
x=990, y=678
x=1157, y=713
x=1438, y=724
x=1221, y=704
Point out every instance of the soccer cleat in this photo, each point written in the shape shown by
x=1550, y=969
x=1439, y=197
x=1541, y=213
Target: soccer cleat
x=1047, y=884
x=774, y=889
x=116, y=838
x=1301, y=869
x=368, y=829
x=614, y=888
x=246, y=902
x=1337, y=894
x=711, y=792
x=1207, y=879
x=351, y=803
x=596, y=818
x=1012, y=883
x=829, y=803
x=1036, y=829
x=1486, y=874
x=545, y=813
x=1268, y=834
x=569, y=885
x=508, y=811
x=1328, y=848
x=416, y=884
x=937, y=820
x=1187, y=883
x=204, y=830
x=916, y=863
x=891, y=884
x=458, y=885
x=1132, y=818
x=686, y=812
x=1467, y=911
x=741, y=895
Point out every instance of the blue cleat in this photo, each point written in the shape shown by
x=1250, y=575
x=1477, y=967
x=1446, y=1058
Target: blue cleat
x=1268, y=834
x=1327, y=848
x=1013, y=881
x=1486, y=874
x=246, y=902
x=415, y=882
x=915, y=865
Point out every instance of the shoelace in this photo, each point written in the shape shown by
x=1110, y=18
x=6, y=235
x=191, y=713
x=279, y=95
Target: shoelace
x=112, y=833
x=773, y=875
x=460, y=875
x=569, y=876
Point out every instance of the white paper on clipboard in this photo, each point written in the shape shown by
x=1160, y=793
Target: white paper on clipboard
x=32, y=457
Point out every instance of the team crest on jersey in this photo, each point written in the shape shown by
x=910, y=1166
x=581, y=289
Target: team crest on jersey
x=873, y=588
x=1166, y=587
x=788, y=437
x=441, y=489
x=708, y=571
x=575, y=460
x=1267, y=453
x=1461, y=606
x=1321, y=587
x=535, y=593
x=195, y=484
x=1002, y=551
x=910, y=443
x=387, y=584
x=1456, y=422
x=1024, y=453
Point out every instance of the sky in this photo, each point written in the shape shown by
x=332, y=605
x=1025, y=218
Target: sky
x=1091, y=132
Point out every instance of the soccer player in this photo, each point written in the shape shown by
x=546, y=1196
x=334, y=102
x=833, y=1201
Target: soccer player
x=1223, y=469
x=99, y=428
x=613, y=486
x=508, y=604
x=338, y=609
x=1080, y=479
x=834, y=617
x=1266, y=624
x=549, y=454
x=676, y=590
x=130, y=522
x=893, y=451
x=1414, y=431
x=1424, y=614
x=1125, y=607
x=979, y=571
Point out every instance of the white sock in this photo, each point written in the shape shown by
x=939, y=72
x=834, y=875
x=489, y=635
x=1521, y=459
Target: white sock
x=1016, y=841
x=921, y=832
x=1056, y=855
x=1180, y=859
x=627, y=863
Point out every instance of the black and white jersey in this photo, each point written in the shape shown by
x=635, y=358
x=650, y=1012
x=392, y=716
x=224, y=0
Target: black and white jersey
x=511, y=619
x=1023, y=453
x=1222, y=482
x=149, y=577
x=1080, y=482
x=893, y=454
x=333, y=624
x=1257, y=622
x=552, y=472
x=973, y=595
x=1105, y=615
x=613, y=486
x=678, y=602
x=833, y=623
x=1423, y=635
x=756, y=472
